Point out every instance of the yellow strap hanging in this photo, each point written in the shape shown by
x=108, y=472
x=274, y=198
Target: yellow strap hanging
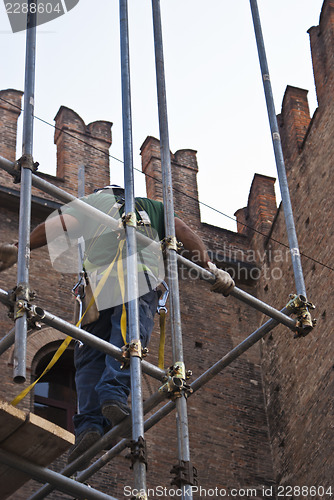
x=68, y=339
x=54, y=359
x=162, y=322
x=120, y=273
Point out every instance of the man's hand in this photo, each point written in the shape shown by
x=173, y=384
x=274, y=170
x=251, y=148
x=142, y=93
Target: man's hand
x=8, y=256
x=224, y=283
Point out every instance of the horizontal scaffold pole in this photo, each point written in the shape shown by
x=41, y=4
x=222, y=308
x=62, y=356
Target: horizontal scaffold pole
x=60, y=482
x=243, y=296
x=110, y=454
x=153, y=401
x=102, y=444
x=195, y=386
x=87, y=338
x=65, y=197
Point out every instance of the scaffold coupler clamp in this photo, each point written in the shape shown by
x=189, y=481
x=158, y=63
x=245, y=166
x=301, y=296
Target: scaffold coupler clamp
x=20, y=299
x=175, y=385
x=185, y=473
x=23, y=297
x=26, y=161
x=171, y=243
x=299, y=305
x=129, y=219
x=133, y=349
x=141, y=495
x=34, y=315
x=138, y=451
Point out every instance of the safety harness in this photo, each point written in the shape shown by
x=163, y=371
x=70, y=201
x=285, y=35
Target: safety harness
x=144, y=220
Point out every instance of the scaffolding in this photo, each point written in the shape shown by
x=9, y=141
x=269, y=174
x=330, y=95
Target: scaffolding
x=175, y=385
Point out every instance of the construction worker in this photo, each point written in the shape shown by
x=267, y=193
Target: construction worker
x=102, y=386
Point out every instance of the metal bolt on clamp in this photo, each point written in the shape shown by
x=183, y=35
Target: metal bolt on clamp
x=129, y=219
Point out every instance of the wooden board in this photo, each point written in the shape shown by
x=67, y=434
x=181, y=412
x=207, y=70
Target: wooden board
x=29, y=436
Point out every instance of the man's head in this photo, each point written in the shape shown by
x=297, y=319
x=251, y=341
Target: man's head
x=114, y=188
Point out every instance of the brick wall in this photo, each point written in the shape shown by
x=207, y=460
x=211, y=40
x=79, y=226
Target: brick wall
x=185, y=168
x=298, y=373
x=78, y=144
x=228, y=430
x=234, y=447
x=10, y=110
x=265, y=418
x=321, y=40
x=293, y=121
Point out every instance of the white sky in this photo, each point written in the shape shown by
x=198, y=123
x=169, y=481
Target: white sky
x=215, y=97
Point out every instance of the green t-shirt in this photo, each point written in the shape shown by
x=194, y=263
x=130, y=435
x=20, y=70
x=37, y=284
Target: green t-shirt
x=101, y=242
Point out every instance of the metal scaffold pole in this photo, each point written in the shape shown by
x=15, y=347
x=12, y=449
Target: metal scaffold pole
x=139, y=467
x=20, y=299
x=22, y=291
x=172, y=274
x=283, y=182
x=151, y=403
x=7, y=341
x=91, y=211
x=61, y=482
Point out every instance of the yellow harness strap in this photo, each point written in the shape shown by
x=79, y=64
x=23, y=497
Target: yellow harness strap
x=68, y=339
x=54, y=360
x=120, y=273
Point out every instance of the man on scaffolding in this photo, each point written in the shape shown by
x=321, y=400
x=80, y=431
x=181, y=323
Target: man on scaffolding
x=102, y=385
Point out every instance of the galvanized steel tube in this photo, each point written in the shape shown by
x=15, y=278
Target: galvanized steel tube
x=96, y=343
x=283, y=182
x=165, y=410
x=85, y=337
x=182, y=419
x=139, y=467
x=60, y=482
x=169, y=407
x=7, y=341
x=235, y=353
x=19, y=372
x=109, y=221
x=243, y=296
x=105, y=441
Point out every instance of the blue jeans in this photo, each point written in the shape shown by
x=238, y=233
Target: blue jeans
x=99, y=377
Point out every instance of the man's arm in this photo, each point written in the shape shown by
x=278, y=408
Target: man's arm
x=192, y=243
x=56, y=228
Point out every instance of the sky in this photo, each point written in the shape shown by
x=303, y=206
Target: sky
x=215, y=97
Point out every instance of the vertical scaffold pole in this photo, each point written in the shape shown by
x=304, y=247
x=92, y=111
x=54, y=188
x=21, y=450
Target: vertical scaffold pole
x=182, y=419
x=283, y=182
x=22, y=295
x=81, y=194
x=131, y=246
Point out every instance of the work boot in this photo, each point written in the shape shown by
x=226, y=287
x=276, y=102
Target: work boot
x=82, y=443
x=115, y=411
